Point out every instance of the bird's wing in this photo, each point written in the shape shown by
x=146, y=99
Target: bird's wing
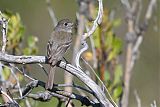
x=56, y=49
x=51, y=50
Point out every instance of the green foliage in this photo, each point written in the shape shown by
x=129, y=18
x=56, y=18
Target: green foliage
x=115, y=46
x=109, y=47
x=96, y=38
x=107, y=75
x=15, y=41
x=15, y=36
x=6, y=72
x=117, y=92
x=118, y=74
x=31, y=46
x=15, y=31
x=117, y=82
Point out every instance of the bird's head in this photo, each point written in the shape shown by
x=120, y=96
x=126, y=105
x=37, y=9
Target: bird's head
x=65, y=25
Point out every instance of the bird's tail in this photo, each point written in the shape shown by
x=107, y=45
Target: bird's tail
x=50, y=80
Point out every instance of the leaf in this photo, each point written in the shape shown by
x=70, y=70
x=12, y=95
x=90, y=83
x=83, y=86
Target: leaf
x=117, y=92
x=32, y=40
x=15, y=31
x=118, y=75
x=96, y=38
x=116, y=22
x=6, y=72
x=109, y=39
x=31, y=46
x=116, y=48
x=107, y=76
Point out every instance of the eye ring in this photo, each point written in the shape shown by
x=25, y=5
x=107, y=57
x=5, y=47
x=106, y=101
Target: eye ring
x=65, y=24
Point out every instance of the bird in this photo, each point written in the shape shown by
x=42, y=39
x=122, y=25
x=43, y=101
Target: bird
x=58, y=44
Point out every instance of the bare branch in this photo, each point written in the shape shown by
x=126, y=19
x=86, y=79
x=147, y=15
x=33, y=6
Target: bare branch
x=126, y=4
x=85, y=47
x=98, y=93
x=5, y=94
x=87, y=81
x=96, y=22
x=154, y=104
x=137, y=99
x=93, y=49
x=73, y=85
x=141, y=31
x=150, y=9
x=11, y=102
x=55, y=92
x=4, y=23
x=22, y=59
x=135, y=35
x=51, y=13
x=17, y=80
x=103, y=85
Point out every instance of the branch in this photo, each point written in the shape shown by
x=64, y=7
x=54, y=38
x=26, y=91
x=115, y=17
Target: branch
x=73, y=85
x=55, y=92
x=154, y=104
x=51, y=13
x=4, y=23
x=98, y=93
x=96, y=22
x=137, y=98
x=83, y=49
x=135, y=38
x=22, y=59
x=11, y=102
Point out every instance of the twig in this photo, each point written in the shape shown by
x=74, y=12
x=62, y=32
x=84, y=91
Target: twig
x=93, y=49
x=85, y=47
x=137, y=98
x=73, y=85
x=107, y=92
x=98, y=93
x=17, y=80
x=4, y=31
x=154, y=104
x=42, y=96
x=136, y=37
x=139, y=12
x=89, y=82
x=22, y=59
x=83, y=100
x=2, y=78
x=5, y=94
x=126, y=4
x=11, y=102
x=29, y=87
x=68, y=102
x=142, y=30
x=68, y=77
x=51, y=13
x=150, y=9
x=96, y=22
x=22, y=72
x=27, y=103
x=45, y=96
x=43, y=68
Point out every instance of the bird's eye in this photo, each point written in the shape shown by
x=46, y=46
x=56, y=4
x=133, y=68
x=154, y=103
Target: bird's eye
x=65, y=24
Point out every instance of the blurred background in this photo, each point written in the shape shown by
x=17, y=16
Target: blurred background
x=146, y=73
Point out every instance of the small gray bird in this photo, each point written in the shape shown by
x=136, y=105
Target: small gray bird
x=59, y=42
